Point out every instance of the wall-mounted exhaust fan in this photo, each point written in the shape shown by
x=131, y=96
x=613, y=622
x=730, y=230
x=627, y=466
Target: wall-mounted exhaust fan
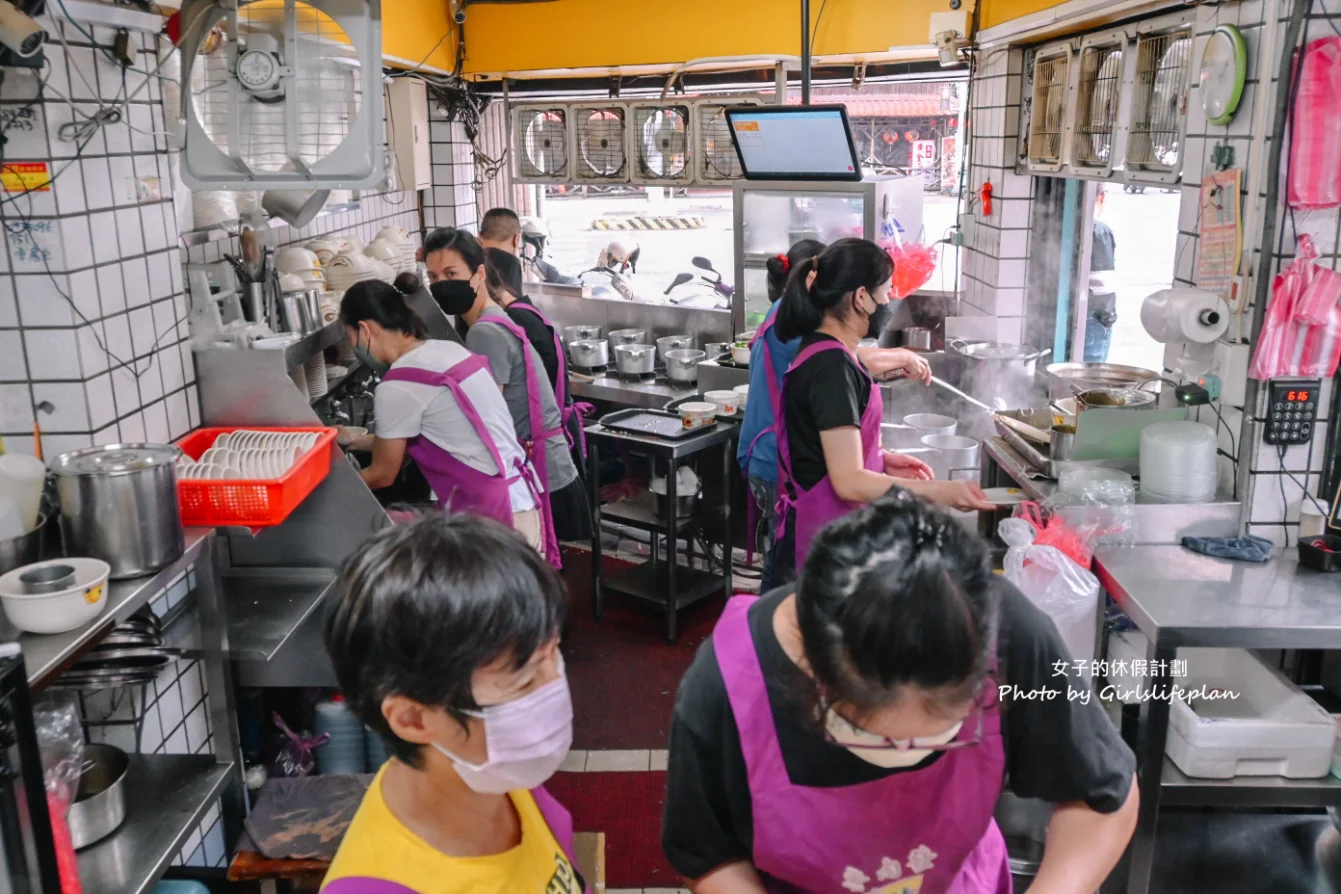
x=1047, y=112
x=715, y=158
x=599, y=140
x=288, y=106
x=661, y=141
x=540, y=137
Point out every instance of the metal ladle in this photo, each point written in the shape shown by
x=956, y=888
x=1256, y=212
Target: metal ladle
x=941, y=383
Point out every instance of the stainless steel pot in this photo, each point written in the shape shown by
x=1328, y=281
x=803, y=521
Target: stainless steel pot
x=715, y=349
x=1064, y=379
x=999, y=375
x=573, y=334
x=627, y=337
x=684, y=506
x=635, y=360
x=1115, y=399
x=100, y=803
x=674, y=343
x=917, y=338
x=954, y=453
x=19, y=551
x=589, y=354
x=119, y=504
x=1062, y=443
x=682, y=366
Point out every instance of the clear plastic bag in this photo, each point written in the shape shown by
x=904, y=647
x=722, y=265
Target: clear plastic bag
x=60, y=738
x=1060, y=588
x=1102, y=512
x=297, y=755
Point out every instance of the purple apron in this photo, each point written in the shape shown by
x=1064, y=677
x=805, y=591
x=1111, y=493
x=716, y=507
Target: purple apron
x=927, y=831
x=537, y=449
x=556, y=816
x=820, y=505
x=561, y=386
x=458, y=486
x=774, y=399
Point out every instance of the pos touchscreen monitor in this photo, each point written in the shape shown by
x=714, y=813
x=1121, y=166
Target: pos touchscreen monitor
x=794, y=142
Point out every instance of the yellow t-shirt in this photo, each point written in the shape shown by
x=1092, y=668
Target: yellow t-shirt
x=379, y=846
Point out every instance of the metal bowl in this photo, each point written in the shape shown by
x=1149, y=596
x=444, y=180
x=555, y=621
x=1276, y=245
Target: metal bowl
x=47, y=579
x=100, y=803
x=1064, y=379
x=684, y=506
x=19, y=551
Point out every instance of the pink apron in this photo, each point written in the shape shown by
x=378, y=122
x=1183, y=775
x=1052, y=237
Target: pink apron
x=459, y=487
x=537, y=449
x=927, y=831
x=556, y=816
x=774, y=397
x=820, y=505
x=568, y=410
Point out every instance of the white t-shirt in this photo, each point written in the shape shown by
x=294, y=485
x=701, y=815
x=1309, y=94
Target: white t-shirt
x=409, y=409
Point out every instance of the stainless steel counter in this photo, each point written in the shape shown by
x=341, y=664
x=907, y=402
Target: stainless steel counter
x=1179, y=598
x=650, y=394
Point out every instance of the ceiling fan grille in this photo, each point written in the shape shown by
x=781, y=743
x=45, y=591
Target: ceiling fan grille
x=600, y=143
x=1160, y=102
x=718, y=158
x=1047, y=110
x=662, y=133
x=1097, y=105
x=542, y=143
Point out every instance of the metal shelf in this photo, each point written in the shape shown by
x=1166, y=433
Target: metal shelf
x=167, y=796
x=47, y=656
x=266, y=605
x=1181, y=790
x=637, y=513
x=298, y=353
x=229, y=228
x=647, y=582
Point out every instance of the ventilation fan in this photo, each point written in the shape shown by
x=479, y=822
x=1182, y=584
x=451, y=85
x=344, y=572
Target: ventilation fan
x=1047, y=110
x=540, y=135
x=1159, y=103
x=599, y=143
x=1096, y=113
x=661, y=141
x=715, y=158
x=285, y=105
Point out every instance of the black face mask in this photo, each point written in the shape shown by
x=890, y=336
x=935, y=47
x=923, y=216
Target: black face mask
x=454, y=296
x=879, y=320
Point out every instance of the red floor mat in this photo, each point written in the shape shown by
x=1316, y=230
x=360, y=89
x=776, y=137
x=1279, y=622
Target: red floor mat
x=622, y=672
x=627, y=808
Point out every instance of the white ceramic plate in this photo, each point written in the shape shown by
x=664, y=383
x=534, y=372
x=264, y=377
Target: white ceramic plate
x=1005, y=496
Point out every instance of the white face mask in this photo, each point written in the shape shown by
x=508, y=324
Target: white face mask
x=852, y=737
x=526, y=740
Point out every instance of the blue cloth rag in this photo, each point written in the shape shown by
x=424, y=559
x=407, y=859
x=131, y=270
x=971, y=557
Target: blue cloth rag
x=1248, y=548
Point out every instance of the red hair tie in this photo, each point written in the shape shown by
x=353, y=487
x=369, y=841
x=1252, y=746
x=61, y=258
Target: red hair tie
x=786, y=264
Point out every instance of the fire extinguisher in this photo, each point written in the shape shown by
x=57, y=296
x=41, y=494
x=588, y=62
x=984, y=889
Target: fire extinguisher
x=985, y=194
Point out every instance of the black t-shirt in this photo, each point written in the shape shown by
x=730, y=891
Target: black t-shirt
x=828, y=391
x=540, y=336
x=1060, y=751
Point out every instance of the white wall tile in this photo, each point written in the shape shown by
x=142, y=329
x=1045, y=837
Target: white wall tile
x=103, y=233
x=160, y=275
x=53, y=354
x=111, y=289
x=156, y=428
x=135, y=275
x=16, y=412
x=116, y=338
x=12, y=366
x=84, y=293
x=41, y=302
x=101, y=403
x=97, y=182
x=142, y=330
x=122, y=171
x=71, y=413
x=9, y=306
x=179, y=417
x=155, y=231
x=129, y=232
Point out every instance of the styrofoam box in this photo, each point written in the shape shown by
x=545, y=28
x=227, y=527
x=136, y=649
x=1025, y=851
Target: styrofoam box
x=1271, y=729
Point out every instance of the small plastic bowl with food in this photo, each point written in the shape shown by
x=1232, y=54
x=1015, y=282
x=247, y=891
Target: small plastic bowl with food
x=740, y=353
x=727, y=402
x=698, y=414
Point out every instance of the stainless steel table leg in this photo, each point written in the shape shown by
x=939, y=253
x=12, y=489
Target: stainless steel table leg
x=593, y=475
x=728, y=558
x=671, y=560
x=1150, y=741
x=218, y=674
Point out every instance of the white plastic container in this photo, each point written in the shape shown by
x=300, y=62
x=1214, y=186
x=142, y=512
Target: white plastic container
x=23, y=478
x=56, y=612
x=1271, y=729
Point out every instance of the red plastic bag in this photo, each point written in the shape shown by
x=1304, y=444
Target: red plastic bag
x=914, y=265
x=1289, y=345
x=1315, y=177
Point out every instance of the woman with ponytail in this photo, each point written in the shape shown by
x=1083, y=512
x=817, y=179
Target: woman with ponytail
x=853, y=732
x=830, y=459
x=438, y=404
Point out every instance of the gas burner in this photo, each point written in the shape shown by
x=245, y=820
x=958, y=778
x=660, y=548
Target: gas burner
x=632, y=377
x=589, y=370
x=662, y=379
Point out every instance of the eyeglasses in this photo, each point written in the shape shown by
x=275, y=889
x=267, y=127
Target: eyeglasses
x=883, y=743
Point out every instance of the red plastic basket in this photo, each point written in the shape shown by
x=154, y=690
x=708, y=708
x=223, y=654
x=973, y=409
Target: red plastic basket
x=252, y=504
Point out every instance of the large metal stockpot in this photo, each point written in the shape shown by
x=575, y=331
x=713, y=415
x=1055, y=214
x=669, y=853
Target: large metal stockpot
x=999, y=375
x=1065, y=379
x=119, y=504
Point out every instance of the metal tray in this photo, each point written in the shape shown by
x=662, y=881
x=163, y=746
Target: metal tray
x=651, y=424
x=1036, y=455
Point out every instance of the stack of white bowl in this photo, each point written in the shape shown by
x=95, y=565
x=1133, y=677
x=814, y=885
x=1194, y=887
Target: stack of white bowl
x=404, y=246
x=248, y=454
x=316, y=377
x=325, y=248
x=351, y=266
x=385, y=258
x=301, y=262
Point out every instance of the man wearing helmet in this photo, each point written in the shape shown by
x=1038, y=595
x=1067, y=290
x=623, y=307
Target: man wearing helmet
x=501, y=228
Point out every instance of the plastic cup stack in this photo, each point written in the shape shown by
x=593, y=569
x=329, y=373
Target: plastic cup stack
x=345, y=753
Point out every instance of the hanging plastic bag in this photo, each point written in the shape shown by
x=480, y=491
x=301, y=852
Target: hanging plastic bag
x=1315, y=177
x=1061, y=589
x=914, y=265
x=1289, y=345
x=1322, y=348
x=60, y=738
x=297, y=756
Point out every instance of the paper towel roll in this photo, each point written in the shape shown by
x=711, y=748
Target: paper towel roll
x=1174, y=315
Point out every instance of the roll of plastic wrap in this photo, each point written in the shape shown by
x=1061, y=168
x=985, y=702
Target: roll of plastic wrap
x=1178, y=463
x=1174, y=315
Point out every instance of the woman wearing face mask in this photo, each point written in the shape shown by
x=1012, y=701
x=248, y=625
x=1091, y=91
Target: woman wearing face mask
x=830, y=458
x=444, y=637
x=853, y=733
x=437, y=402
x=757, y=453
x=459, y=275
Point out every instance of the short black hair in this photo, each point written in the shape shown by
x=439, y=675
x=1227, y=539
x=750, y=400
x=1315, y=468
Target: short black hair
x=383, y=304
x=505, y=272
x=419, y=607
x=897, y=594
x=499, y=224
x=460, y=241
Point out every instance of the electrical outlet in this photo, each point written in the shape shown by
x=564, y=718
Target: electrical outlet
x=1211, y=383
x=1230, y=365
